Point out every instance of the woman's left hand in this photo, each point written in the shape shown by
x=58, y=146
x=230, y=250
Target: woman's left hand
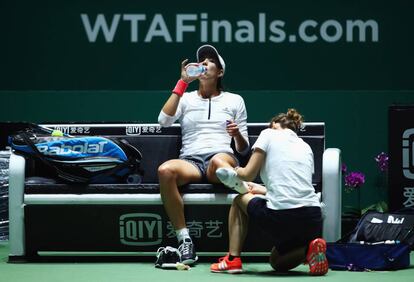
x=255, y=188
x=232, y=128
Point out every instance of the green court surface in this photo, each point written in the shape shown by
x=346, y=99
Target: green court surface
x=133, y=271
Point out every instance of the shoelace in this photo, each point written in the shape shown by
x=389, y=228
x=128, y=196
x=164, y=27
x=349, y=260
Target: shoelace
x=184, y=248
x=159, y=251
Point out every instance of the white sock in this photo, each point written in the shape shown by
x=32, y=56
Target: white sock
x=182, y=234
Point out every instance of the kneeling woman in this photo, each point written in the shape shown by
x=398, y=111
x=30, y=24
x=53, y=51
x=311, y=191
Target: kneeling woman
x=290, y=209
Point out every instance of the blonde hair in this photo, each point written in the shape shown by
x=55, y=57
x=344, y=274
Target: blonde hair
x=292, y=120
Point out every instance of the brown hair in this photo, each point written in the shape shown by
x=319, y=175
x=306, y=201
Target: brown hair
x=292, y=120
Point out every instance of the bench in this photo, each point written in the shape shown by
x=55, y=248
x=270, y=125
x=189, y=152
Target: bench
x=128, y=220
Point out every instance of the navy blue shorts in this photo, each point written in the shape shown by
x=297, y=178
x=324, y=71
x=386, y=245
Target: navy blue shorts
x=289, y=228
x=201, y=162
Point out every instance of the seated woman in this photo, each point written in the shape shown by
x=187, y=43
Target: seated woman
x=210, y=119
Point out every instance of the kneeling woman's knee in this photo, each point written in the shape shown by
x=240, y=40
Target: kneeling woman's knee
x=276, y=261
x=279, y=266
x=287, y=261
x=273, y=258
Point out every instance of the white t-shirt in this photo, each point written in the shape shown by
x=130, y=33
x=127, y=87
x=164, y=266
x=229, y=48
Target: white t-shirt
x=203, y=122
x=287, y=170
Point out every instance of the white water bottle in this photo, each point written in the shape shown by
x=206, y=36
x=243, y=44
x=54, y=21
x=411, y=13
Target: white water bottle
x=193, y=70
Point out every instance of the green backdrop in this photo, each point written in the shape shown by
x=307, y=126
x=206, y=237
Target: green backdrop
x=341, y=62
x=289, y=45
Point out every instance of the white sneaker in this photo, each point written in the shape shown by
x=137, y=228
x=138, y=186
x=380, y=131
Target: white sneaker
x=228, y=177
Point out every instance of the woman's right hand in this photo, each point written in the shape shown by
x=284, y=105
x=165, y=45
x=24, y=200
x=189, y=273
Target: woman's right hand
x=255, y=188
x=184, y=75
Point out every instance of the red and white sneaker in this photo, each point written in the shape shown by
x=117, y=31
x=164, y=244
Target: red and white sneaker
x=316, y=257
x=227, y=266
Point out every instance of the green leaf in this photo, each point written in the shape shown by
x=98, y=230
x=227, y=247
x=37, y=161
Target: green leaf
x=379, y=207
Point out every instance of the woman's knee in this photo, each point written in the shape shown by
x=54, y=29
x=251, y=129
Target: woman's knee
x=217, y=161
x=280, y=265
x=273, y=258
x=243, y=200
x=237, y=200
x=287, y=261
x=166, y=172
x=277, y=262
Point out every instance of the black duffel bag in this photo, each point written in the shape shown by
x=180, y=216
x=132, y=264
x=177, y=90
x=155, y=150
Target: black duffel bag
x=380, y=241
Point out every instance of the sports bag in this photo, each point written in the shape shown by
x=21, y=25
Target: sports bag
x=376, y=227
x=380, y=241
x=90, y=159
x=366, y=257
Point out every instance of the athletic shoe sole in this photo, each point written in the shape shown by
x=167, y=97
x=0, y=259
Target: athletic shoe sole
x=169, y=265
x=189, y=261
x=316, y=258
x=231, y=271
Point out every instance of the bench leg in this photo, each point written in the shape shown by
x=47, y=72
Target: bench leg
x=332, y=194
x=16, y=205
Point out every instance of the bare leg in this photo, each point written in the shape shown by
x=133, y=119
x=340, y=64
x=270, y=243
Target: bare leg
x=238, y=223
x=172, y=174
x=287, y=261
x=219, y=160
x=238, y=220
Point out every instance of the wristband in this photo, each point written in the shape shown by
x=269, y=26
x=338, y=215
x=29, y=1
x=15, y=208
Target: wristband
x=180, y=87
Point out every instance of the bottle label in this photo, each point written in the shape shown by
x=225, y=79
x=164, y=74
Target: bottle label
x=194, y=69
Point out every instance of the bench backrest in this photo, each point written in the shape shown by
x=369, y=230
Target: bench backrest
x=159, y=144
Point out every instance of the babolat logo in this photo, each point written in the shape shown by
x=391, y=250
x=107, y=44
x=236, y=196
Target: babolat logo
x=63, y=149
x=140, y=229
x=133, y=130
x=393, y=220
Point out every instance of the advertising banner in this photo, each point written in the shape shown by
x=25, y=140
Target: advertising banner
x=129, y=228
x=401, y=148
x=284, y=45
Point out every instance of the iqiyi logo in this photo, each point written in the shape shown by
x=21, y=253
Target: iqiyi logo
x=133, y=130
x=140, y=229
x=408, y=153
